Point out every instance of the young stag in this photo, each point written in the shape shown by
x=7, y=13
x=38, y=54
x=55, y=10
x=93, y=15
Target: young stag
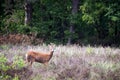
x=40, y=57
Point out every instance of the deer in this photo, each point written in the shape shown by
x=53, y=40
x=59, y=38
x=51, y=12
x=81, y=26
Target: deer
x=40, y=57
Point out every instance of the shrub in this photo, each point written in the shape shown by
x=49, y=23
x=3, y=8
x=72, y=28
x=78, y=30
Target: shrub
x=18, y=62
x=8, y=70
x=3, y=68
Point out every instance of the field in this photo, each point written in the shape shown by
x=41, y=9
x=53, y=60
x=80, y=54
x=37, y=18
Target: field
x=68, y=63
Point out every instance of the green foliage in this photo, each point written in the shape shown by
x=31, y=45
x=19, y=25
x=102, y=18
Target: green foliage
x=18, y=62
x=11, y=22
x=106, y=66
x=4, y=47
x=113, y=12
x=51, y=20
x=88, y=18
x=23, y=29
x=3, y=68
x=16, y=78
x=90, y=50
x=5, y=77
x=3, y=61
x=92, y=12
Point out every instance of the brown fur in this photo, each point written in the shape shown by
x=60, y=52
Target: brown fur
x=39, y=57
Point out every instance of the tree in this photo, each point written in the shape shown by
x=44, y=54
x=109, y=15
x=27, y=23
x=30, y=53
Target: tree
x=72, y=26
x=28, y=12
x=63, y=21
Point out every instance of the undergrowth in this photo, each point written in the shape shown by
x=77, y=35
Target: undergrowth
x=68, y=63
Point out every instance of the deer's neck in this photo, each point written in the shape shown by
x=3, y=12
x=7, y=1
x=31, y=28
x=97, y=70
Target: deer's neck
x=51, y=54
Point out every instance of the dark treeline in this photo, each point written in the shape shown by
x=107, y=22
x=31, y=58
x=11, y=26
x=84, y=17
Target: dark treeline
x=63, y=21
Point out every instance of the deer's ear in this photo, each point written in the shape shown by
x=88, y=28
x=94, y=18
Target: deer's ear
x=51, y=48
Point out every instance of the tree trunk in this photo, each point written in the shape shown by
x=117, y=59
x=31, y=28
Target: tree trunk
x=28, y=12
x=74, y=12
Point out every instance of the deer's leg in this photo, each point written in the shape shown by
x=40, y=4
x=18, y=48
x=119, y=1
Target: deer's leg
x=26, y=61
x=31, y=62
x=46, y=63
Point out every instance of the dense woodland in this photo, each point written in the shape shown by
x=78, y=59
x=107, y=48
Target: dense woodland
x=63, y=21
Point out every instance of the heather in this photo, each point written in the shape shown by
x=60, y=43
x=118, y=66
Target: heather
x=71, y=62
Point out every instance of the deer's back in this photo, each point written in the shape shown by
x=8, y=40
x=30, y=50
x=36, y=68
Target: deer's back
x=38, y=57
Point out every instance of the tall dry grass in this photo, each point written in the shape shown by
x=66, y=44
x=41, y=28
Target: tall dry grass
x=71, y=62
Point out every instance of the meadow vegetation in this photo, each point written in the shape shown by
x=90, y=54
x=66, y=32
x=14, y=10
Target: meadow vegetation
x=68, y=63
